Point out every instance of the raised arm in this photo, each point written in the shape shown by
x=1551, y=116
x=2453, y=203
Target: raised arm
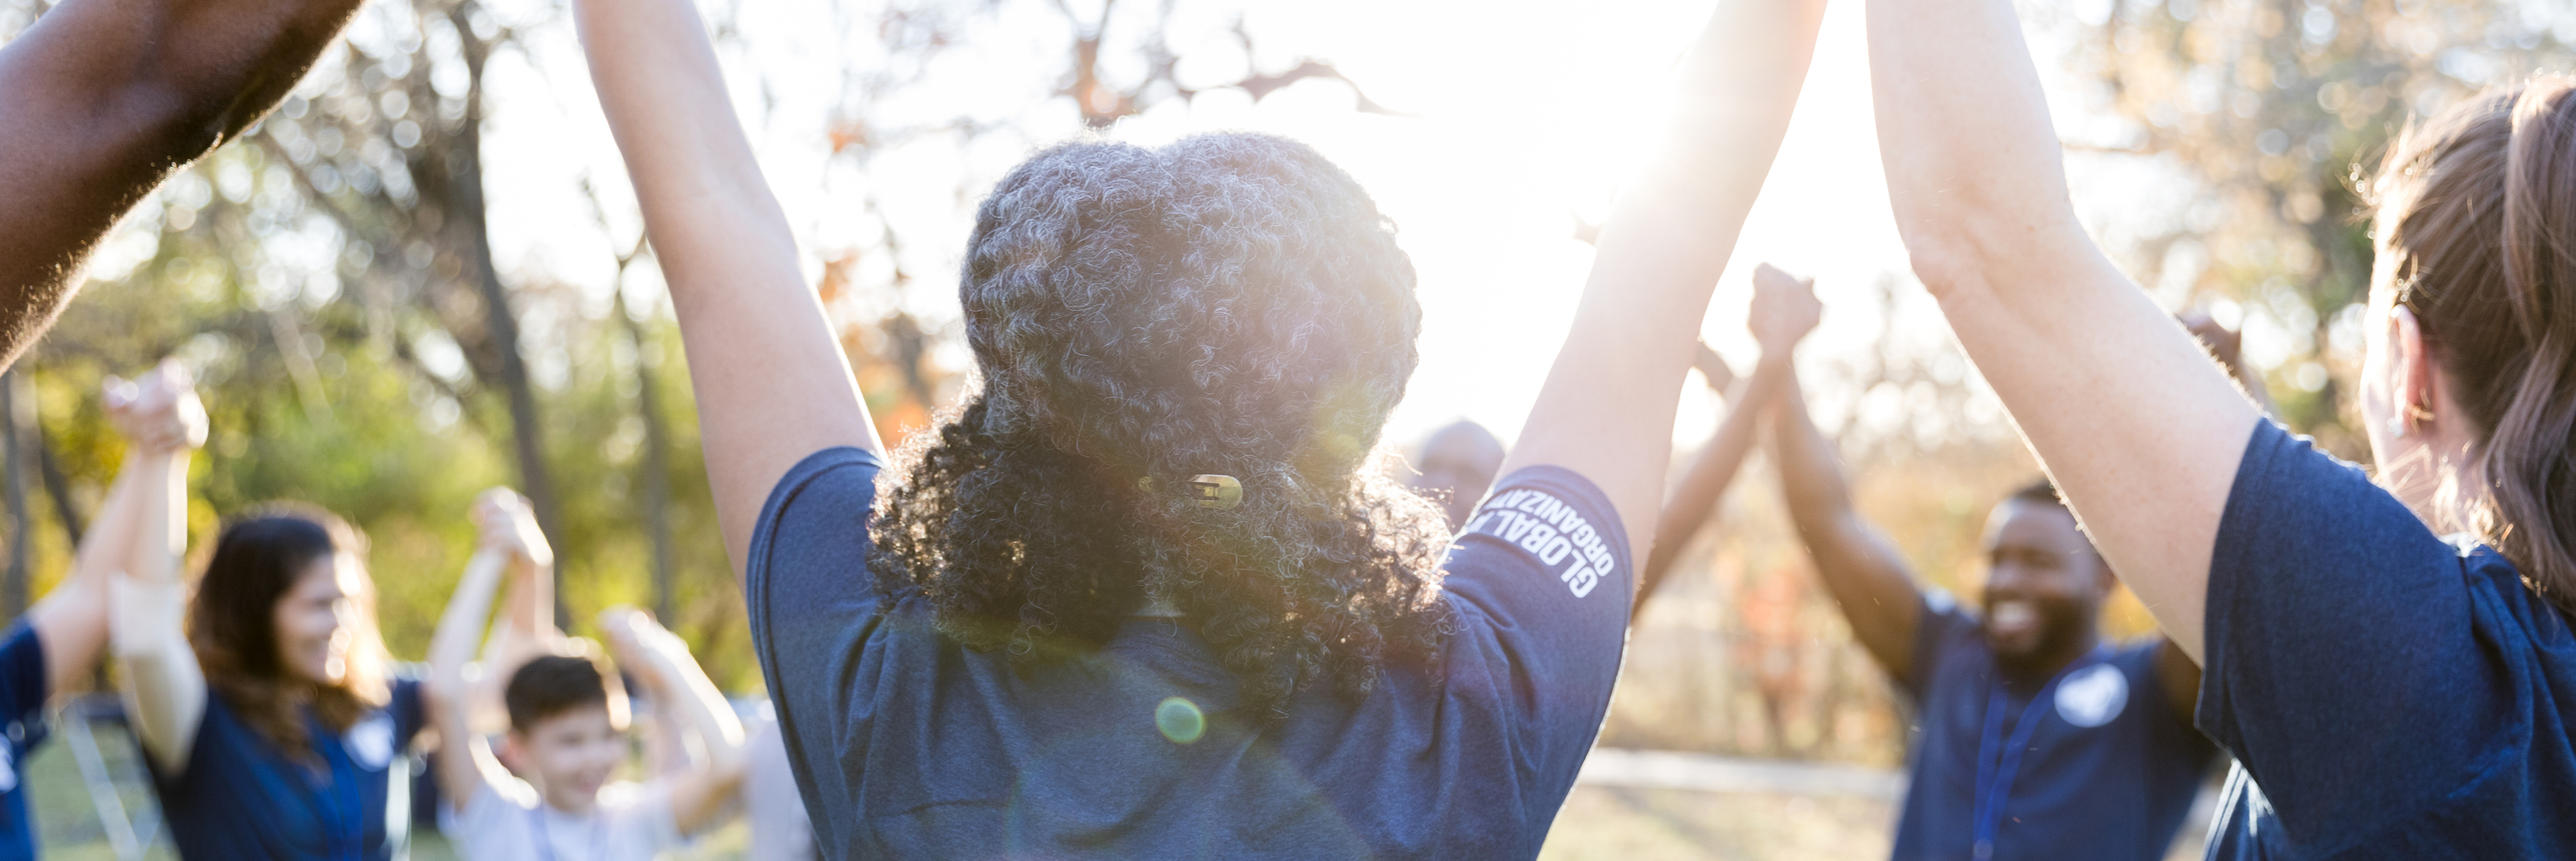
x=772, y=384
x=163, y=687
x=1866, y=575
x=71, y=621
x=102, y=99
x=1606, y=410
x=527, y=626
x=682, y=691
x=2140, y=430
x=465, y=764
x=1785, y=310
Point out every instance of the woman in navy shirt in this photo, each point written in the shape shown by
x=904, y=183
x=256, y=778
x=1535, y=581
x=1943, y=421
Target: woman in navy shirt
x=270, y=724
x=1148, y=594
x=2394, y=693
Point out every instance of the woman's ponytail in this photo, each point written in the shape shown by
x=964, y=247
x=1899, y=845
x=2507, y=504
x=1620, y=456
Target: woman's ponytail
x=2479, y=209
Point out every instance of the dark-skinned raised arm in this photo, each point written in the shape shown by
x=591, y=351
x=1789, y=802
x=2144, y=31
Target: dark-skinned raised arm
x=101, y=100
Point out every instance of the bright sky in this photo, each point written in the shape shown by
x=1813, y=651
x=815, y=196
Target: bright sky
x=1528, y=114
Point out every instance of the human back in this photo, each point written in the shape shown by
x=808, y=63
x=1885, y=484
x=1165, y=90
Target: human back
x=1059, y=603
x=1151, y=524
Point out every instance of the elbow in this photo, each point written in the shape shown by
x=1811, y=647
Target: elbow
x=1946, y=257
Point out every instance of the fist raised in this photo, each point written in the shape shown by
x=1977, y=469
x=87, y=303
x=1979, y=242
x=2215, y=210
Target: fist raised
x=508, y=523
x=158, y=411
x=1784, y=309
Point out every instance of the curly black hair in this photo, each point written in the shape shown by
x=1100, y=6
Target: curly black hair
x=1228, y=304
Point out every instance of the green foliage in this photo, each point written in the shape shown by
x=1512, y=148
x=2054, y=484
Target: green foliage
x=378, y=441
x=2278, y=111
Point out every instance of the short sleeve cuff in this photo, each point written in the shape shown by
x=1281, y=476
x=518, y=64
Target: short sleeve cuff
x=2238, y=525
x=1566, y=523
x=22, y=663
x=764, y=536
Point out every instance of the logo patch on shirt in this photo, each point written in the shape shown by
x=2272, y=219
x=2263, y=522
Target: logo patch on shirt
x=2093, y=696
x=371, y=742
x=1549, y=530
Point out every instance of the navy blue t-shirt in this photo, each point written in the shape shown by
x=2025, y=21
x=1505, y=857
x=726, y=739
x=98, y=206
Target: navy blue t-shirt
x=2395, y=695
x=907, y=745
x=22, y=726
x=2109, y=772
x=242, y=797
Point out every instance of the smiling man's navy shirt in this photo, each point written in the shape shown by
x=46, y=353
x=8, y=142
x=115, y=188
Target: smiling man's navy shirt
x=907, y=745
x=2110, y=771
x=2394, y=695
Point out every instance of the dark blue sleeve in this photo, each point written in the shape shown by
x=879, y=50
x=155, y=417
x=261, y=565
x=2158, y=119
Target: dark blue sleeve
x=2341, y=664
x=23, y=684
x=1542, y=581
x=812, y=604
x=410, y=712
x=1941, y=624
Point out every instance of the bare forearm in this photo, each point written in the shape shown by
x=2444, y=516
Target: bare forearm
x=1867, y=579
x=531, y=604
x=1694, y=501
x=164, y=687
x=72, y=620
x=683, y=692
x=1973, y=164
x=451, y=694
x=1812, y=481
x=773, y=386
x=160, y=524
x=1606, y=409
x=460, y=626
x=104, y=99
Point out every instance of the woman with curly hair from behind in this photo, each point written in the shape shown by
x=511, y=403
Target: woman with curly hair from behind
x=1146, y=593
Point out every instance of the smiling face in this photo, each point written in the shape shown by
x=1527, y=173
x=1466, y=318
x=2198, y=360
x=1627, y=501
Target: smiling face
x=312, y=621
x=570, y=754
x=2044, y=584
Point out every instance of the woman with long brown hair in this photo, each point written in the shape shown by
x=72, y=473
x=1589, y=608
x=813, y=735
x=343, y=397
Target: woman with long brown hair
x=2391, y=663
x=270, y=724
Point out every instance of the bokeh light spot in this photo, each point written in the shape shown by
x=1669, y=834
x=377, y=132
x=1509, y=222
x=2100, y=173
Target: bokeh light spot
x=1180, y=720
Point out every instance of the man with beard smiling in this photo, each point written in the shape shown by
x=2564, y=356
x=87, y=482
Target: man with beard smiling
x=2038, y=738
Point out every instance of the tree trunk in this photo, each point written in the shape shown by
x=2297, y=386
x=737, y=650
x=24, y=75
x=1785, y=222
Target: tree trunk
x=502, y=363
x=17, y=407
x=657, y=471
x=58, y=485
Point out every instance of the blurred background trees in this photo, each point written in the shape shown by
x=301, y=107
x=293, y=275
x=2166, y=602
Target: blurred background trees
x=2273, y=114
x=421, y=277
x=338, y=281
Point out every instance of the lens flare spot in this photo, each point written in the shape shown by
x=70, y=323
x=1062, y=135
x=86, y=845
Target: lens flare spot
x=1180, y=720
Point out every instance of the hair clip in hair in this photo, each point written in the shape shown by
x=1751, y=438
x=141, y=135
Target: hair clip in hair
x=1210, y=491
x=1216, y=491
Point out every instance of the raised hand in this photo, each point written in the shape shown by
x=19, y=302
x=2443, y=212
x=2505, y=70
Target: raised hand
x=2228, y=346
x=507, y=523
x=158, y=411
x=1713, y=367
x=636, y=641
x=1784, y=309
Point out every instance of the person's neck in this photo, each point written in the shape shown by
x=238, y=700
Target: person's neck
x=568, y=804
x=2038, y=668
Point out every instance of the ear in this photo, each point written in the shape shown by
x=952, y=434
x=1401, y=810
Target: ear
x=2411, y=362
x=509, y=751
